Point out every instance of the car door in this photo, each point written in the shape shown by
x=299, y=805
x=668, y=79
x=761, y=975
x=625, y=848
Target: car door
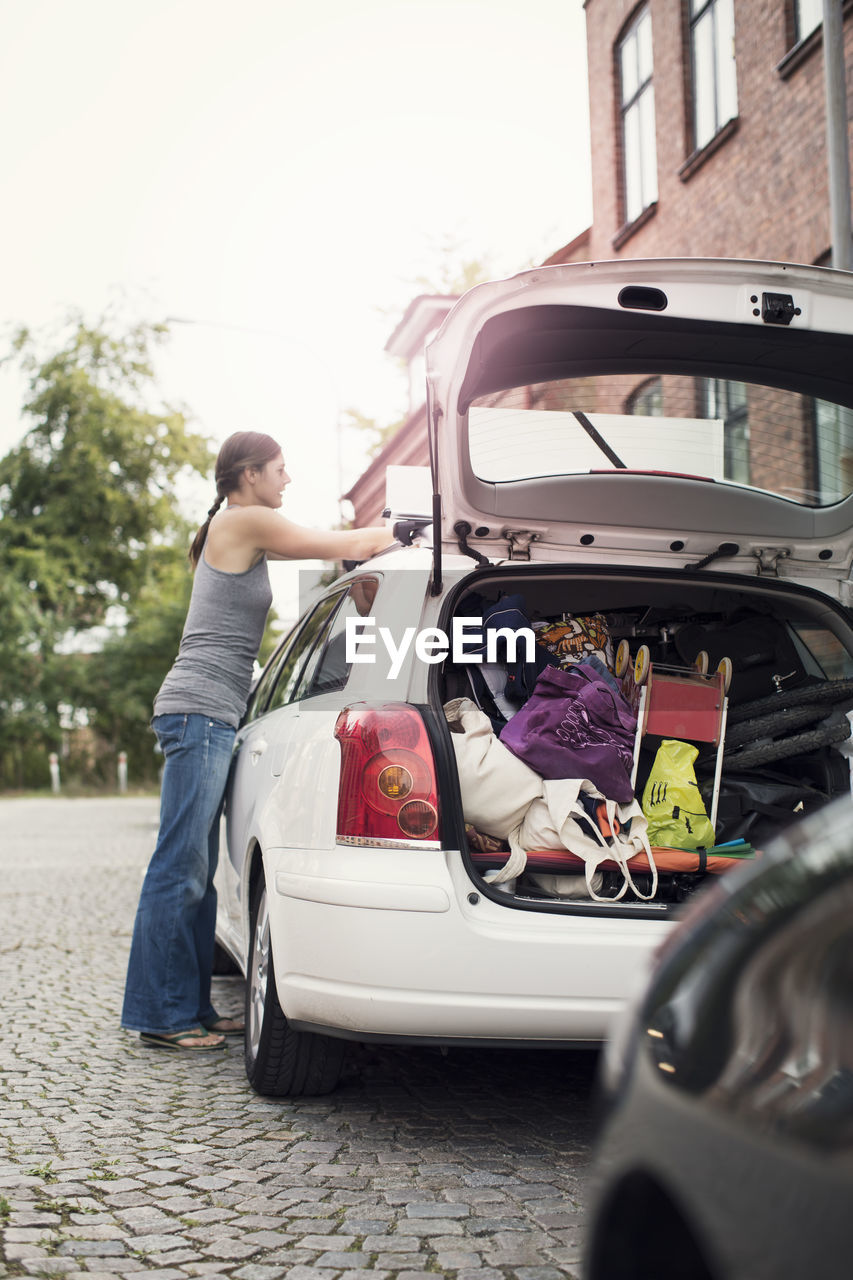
x=262, y=740
x=230, y=867
x=262, y=743
x=318, y=697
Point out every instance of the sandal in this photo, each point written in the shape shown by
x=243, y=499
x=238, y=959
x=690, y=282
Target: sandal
x=225, y=1026
x=203, y=1039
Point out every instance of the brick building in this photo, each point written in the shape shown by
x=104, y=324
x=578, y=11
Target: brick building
x=708, y=139
x=708, y=129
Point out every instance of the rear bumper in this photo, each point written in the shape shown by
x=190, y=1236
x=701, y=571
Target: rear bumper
x=393, y=944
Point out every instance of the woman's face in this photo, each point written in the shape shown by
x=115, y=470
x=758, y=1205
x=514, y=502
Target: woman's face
x=270, y=482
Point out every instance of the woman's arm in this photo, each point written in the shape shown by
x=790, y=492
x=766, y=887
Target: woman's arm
x=283, y=540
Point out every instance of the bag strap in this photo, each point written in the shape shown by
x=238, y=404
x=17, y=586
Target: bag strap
x=515, y=863
x=630, y=840
x=619, y=847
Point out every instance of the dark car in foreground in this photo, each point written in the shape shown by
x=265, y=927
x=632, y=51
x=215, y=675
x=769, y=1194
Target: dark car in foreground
x=727, y=1149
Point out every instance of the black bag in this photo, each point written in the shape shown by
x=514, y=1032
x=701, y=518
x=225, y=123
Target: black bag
x=757, y=804
x=825, y=769
x=764, y=657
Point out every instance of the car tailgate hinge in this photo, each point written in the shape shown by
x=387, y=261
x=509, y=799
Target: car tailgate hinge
x=767, y=560
x=519, y=543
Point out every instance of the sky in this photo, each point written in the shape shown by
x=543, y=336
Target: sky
x=273, y=178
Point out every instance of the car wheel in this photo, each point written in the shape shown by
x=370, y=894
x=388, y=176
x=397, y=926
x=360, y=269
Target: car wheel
x=280, y=1062
x=758, y=753
x=809, y=694
x=774, y=726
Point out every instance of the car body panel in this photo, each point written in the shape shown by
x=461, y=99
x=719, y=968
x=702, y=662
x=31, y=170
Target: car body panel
x=383, y=942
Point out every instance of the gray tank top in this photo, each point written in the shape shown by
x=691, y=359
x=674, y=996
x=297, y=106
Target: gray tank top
x=212, y=674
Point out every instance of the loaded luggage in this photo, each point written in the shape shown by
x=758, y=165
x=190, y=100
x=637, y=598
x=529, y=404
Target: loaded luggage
x=672, y=723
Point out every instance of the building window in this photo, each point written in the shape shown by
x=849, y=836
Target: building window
x=727, y=402
x=639, y=154
x=647, y=400
x=712, y=43
x=833, y=425
x=808, y=15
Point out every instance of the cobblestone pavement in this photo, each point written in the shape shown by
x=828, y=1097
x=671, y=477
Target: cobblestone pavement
x=116, y=1159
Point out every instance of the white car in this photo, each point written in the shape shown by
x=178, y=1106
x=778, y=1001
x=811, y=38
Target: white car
x=663, y=446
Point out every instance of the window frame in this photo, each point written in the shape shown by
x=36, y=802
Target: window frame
x=322, y=614
x=261, y=691
x=799, y=33
x=264, y=692
x=735, y=418
x=305, y=687
x=723, y=116
x=639, y=157
x=638, y=402
x=830, y=420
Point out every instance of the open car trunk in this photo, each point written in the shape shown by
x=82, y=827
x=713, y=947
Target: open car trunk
x=782, y=745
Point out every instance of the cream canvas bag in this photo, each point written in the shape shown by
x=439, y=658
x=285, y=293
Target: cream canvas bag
x=497, y=788
x=552, y=823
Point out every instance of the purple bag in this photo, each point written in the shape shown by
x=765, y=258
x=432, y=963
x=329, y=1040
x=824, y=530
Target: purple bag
x=575, y=724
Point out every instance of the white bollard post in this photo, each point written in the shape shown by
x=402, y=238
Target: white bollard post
x=53, y=760
x=122, y=772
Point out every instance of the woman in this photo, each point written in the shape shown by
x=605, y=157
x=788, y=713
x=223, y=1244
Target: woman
x=196, y=714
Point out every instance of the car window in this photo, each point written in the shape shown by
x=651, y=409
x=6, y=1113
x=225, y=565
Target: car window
x=268, y=677
x=327, y=668
x=750, y=434
x=829, y=657
x=297, y=655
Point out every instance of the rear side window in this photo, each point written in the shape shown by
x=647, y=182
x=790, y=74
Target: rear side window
x=829, y=657
x=261, y=691
x=327, y=669
x=298, y=654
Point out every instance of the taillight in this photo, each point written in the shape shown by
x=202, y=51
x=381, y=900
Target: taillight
x=387, y=790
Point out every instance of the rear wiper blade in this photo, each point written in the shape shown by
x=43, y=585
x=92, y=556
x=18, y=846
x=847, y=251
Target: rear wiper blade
x=598, y=439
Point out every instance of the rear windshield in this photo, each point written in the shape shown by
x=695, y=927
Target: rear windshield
x=743, y=433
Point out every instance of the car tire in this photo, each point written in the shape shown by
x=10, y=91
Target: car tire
x=280, y=1062
x=774, y=726
x=813, y=694
x=768, y=750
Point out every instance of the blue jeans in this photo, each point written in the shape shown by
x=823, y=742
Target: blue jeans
x=171, y=955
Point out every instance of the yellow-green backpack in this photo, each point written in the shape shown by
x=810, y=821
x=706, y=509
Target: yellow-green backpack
x=672, y=801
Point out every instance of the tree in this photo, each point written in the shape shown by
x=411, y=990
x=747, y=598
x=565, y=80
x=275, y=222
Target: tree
x=88, y=525
x=382, y=432
x=88, y=492
x=21, y=715
x=118, y=684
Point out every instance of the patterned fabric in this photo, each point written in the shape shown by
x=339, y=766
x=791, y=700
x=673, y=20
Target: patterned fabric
x=576, y=725
x=573, y=638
